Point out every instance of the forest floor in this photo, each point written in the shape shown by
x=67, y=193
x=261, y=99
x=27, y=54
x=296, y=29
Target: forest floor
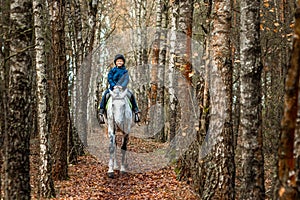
x=88, y=180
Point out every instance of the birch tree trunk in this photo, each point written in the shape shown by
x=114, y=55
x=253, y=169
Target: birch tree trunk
x=251, y=131
x=219, y=172
x=78, y=51
x=141, y=55
x=75, y=143
x=91, y=77
x=236, y=73
x=59, y=92
x=187, y=163
x=85, y=73
x=183, y=62
x=156, y=110
x=77, y=94
x=46, y=187
x=204, y=121
x=155, y=55
x=184, y=39
x=83, y=83
x=288, y=187
x=4, y=31
x=172, y=80
x=161, y=69
x=18, y=109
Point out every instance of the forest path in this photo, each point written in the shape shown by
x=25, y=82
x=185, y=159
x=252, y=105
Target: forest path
x=88, y=180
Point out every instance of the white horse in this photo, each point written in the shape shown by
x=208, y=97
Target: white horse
x=119, y=117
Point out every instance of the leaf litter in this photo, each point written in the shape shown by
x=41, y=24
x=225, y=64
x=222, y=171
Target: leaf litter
x=88, y=180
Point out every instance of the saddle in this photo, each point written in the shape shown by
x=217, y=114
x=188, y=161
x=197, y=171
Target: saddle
x=107, y=99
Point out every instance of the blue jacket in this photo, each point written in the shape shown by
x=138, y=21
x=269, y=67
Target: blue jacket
x=118, y=76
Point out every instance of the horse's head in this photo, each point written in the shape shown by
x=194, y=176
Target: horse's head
x=120, y=106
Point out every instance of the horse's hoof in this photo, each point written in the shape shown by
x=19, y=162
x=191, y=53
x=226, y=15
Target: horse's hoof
x=116, y=167
x=123, y=172
x=110, y=175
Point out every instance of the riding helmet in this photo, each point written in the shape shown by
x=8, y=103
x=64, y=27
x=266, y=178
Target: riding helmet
x=119, y=56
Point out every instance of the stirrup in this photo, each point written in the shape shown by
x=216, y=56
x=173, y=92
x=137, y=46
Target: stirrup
x=136, y=117
x=101, y=111
x=101, y=119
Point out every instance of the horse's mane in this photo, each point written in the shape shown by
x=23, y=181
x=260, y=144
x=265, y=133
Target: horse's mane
x=121, y=115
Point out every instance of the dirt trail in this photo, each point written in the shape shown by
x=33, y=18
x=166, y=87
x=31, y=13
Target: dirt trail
x=88, y=180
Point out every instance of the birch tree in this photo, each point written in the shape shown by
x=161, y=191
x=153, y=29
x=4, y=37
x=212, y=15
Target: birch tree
x=156, y=108
x=219, y=170
x=171, y=79
x=78, y=59
x=142, y=15
x=275, y=39
x=187, y=163
x=46, y=187
x=162, y=63
x=288, y=186
x=85, y=34
x=75, y=57
x=17, y=130
x=252, y=186
x=4, y=44
x=77, y=44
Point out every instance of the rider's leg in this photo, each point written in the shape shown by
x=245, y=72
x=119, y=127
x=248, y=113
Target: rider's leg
x=102, y=107
x=135, y=108
x=103, y=102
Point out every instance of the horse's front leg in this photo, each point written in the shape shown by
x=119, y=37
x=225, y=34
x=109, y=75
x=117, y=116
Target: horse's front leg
x=112, y=151
x=124, y=149
x=115, y=156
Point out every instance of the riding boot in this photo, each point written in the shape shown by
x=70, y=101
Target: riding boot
x=101, y=111
x=136, y=117
x=135, y=109
x=136, y=114
x=101, y=116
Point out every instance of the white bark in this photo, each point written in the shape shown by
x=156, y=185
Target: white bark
x=45, y=179
x=172, y=72
x=18, y=117
x=252, y=186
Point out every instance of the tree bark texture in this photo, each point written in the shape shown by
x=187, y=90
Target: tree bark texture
x=18, y=103
x=141, y=55
x=46, y=187
x=172, y=77
x=59, y=92
x=77, y=94
x=250, y=128
x=183, y=66
x=155, y=113
x=288, y=188
x=162, y=69
x=188, y=163
x=219, y=172
x=4, y=31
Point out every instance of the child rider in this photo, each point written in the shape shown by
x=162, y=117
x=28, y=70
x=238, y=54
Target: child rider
x=118, y=76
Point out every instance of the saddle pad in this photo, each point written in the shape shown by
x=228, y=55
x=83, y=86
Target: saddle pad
x=109, y=99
